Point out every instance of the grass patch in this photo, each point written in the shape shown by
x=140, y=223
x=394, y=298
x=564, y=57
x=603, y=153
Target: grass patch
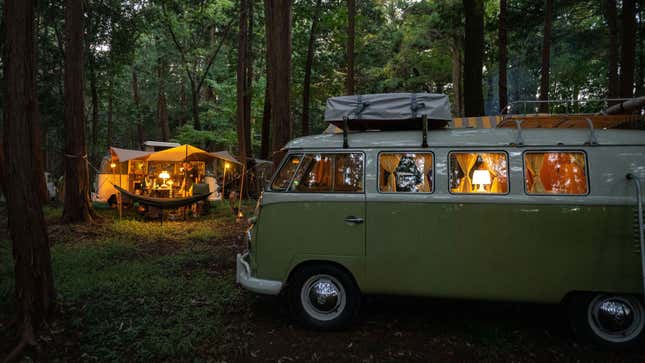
x=136, y=290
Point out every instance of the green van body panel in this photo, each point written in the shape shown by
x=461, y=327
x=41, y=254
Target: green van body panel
x=289, y=237
x=500, y=251
x=428, y=249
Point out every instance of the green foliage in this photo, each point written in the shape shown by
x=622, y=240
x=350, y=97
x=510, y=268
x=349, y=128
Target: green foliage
x=401, y=45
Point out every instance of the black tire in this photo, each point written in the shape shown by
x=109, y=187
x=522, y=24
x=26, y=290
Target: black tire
x=340, y=311
x=591, y=323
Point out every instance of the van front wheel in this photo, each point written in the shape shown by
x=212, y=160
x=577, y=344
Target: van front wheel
x=608, y=320
x=323, y=297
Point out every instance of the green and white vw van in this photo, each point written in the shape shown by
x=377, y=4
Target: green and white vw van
x=535, y=215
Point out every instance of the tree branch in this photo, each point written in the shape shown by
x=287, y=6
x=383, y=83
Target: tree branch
x=214, y=55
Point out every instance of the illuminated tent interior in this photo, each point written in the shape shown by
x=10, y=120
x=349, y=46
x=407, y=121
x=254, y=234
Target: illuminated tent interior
x=176, y=172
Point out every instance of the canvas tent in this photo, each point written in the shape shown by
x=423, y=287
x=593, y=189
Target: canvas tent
x=122, y=155
x=126, y=167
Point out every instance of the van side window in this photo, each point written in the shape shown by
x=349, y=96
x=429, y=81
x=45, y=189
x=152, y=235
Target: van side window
x=405, y=172
x=555, y=173
x=325, y=173
x=314, y=174
x=478, y=172
x=281, y=181
x=348, y=173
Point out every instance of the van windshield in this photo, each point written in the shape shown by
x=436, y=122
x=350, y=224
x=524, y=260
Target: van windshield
x=282, y=179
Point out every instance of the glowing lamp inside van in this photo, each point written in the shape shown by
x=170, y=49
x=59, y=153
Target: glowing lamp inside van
x=481, y=178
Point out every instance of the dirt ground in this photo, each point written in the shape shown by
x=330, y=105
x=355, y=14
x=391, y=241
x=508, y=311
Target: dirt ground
x=258, y=328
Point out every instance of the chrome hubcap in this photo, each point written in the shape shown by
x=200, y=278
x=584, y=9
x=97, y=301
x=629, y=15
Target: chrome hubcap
x=323, y=297
x=616, y=318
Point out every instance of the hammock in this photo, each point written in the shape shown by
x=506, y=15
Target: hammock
x=163, y=203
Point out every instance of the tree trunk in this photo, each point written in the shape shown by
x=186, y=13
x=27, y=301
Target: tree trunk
x=280, y=69
x=183, y=102
x=109, y=112
x=473, y=58
x=546, y=56
x=457, y=68
x=503, y=58
x=612, y=29
x=628, y=52
x=640, y=79
x=265, y=146
x=95, y=102
x=194, y=96
x=306, y=88
x=265, y=143
x=78, y=207
x=34, y=284
x=351, y=35
x=243, y=107
x=162, y=109
x=137, y=107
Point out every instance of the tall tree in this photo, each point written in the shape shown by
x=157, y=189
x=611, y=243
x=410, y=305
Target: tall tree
x=243, y=86
x=265, y=142
x=34, y=286
x=628, y=49
x=306, y=87
x=265, y=139
x=137, y=106
x=503, y=58
x=78, y=207
x=612, y=66
x=473, y=57
x=546, y=56
x=279, y=53
x=351, y=36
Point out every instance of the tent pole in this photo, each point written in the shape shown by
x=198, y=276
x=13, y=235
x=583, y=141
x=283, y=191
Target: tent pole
x=239, y=204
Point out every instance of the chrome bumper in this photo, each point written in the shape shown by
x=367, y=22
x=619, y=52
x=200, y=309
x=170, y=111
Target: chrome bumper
x=244, y=278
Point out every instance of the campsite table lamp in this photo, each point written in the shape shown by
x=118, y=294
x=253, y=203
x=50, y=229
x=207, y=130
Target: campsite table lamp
x=164, y=176
x=481, y=177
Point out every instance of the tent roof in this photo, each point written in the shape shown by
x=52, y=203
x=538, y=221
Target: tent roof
x=225, y=155
x=179, y=153
x=126, y=154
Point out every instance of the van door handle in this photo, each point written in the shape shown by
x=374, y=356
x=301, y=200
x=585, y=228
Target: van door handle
x=352, y=219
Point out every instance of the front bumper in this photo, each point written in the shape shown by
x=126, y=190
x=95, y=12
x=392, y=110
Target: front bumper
x=244, y=278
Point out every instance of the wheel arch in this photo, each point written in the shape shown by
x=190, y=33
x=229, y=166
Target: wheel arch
x=321, y=261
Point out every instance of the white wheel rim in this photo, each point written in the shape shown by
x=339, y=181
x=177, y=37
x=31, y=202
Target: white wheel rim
x=616, y=319
x=323, y=297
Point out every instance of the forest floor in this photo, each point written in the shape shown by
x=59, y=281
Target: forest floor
x=133, y=290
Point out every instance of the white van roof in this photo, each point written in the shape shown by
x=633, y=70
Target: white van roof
x=470, y=138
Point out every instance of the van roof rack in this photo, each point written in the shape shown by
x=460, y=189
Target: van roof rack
x=388, y=112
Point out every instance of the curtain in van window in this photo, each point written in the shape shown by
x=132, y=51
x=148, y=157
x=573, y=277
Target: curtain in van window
x=564, y=173
x=424, y=164
x=534, y=166
x=389, y=163
x=496, y=166
x=466, y=162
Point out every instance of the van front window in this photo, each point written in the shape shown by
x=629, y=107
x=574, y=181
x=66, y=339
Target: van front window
x=329, y=173
x=281, y=181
